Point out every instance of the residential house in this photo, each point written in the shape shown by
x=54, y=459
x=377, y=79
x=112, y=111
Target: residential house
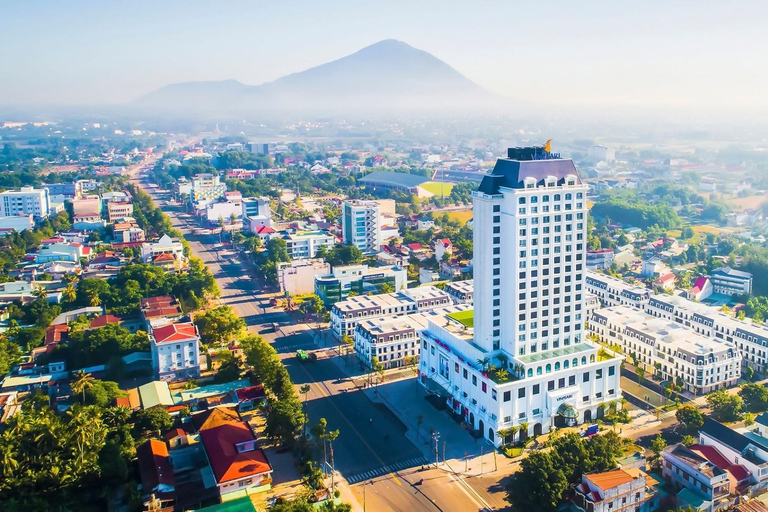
x=701, y=289
x=175, y=351
x=665, y=282
x=686, y=469
x=443, y=246
x=617, y=490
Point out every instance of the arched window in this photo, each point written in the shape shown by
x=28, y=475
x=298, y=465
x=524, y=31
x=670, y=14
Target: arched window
x=530, y=372
x=545, y=199
x=566, y=364
x=521, y=200
x=557, y=197
x=534, y=199
x=538, y=370
x=557, y=366
x=584, y=360
x=568, y=197
x=575, y=362
x=592, y=358
x=549, y=368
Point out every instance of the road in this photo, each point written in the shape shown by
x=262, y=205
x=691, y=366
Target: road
x=371, y=444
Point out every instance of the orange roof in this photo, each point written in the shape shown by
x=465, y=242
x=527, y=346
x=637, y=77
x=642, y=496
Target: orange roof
x=154, y=301
x=227, y=464
x=175, y=332
x=154, y=464
x=610, y=479
x=164, y=256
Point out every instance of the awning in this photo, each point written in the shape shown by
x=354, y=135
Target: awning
x=567, y=411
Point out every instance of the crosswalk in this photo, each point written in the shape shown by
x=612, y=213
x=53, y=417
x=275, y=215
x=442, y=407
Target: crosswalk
x=397, y=466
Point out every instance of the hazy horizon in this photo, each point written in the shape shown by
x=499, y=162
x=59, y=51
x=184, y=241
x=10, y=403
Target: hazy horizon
x=682, y=56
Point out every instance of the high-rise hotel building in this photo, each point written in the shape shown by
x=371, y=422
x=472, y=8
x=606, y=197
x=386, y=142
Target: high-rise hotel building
x=522, y=357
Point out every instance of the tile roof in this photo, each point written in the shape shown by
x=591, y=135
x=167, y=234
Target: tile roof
x=264, y=230
x=610, y=479
x=175, y=332
x=163, y=256
x=215, y=417
x=714, y=456
x=56, y=333
x=103, y=320
x=154, y=465
x=227, y=464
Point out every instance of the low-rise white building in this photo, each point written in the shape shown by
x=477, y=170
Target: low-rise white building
x=223, y=211
x=600, y=259
x=729, y=281
x=461, y=292
x=617, y=490
x=17, y=223
x=305, y=244
x=175, y=351
x=345, y=315
x=664, y=347
x=360, y=279
x=394, y=339
x=165, y=245
x=614, y=292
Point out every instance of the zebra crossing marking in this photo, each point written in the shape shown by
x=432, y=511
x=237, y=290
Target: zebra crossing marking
x=390, y=468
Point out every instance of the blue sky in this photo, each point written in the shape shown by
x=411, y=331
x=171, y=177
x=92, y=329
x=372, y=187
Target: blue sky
x=681, y=53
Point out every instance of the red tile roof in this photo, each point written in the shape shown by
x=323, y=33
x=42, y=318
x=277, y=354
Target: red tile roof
x=227, y=464
x=176, y=432
x=250, y=393
x=445, y=242
x=414, y=246
x=103, y=320
x=714, y=456
x=155, y=312
x=56, y=333
x=154, y=465
x=264, y=230
x=154, y=301
x=175, y=332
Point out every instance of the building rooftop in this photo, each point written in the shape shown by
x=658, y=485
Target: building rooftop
x=609, y=479
x=509, y=173
x=576, y=348
x=227, y=461
x=175, y=332
x=398, y=179
x=465, y=318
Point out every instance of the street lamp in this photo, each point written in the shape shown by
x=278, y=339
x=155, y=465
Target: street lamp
x=436, y=439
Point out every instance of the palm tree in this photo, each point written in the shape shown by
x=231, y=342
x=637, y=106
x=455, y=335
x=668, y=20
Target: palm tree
x=82, y=382
x=484, y=362
x=523, y=430
x=8, y=458
x=232, y=219
x=40, y=292
x=70, y=293
x=304, y=390
x=331, y=437
x=94, y=300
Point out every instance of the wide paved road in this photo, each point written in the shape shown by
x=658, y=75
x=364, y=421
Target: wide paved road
x=371, y=445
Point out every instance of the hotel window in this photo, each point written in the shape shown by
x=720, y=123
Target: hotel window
x=507, y=396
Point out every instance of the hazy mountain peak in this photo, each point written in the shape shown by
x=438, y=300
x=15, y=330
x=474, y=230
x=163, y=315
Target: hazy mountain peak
x=386, y=74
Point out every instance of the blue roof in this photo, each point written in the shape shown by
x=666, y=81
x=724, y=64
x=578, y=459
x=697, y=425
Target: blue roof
x=730, y=272
x=511, y=173
x=390, y=178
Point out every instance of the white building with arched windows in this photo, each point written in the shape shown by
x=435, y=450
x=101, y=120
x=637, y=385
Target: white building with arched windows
x=520, y=357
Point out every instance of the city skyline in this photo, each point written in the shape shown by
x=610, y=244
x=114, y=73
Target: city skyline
x=591, y=54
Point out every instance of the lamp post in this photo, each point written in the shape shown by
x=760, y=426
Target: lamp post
x=436, y=439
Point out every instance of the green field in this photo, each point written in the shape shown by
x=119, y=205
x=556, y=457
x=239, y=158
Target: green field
x=467, y=318
x=438, y=188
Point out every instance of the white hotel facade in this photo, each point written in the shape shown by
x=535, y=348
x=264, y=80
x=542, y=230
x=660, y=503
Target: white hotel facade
x=530, y=221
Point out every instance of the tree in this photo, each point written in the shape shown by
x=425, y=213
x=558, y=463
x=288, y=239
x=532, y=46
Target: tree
x=341, y=255
x=312, y=305
x=572, y=456
x=103, y=392
x=725, y=407
x=689, y=440
x=283, y=420
x=229, y=368
x=539, y=485
x=657, y=445
x=219, y=325
x=755, y=397
x=687, y=233
x=690, y=416
x=748, y=374
x=749, y=419
x=152, y=421
x=82, y=382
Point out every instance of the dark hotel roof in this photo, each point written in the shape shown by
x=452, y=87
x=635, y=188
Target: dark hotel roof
x=398, y=179
x=510, y=173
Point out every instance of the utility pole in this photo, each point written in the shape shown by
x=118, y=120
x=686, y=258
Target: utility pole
x=436, y=439
x=481, y=460
x=466, y=462
x=444, y=443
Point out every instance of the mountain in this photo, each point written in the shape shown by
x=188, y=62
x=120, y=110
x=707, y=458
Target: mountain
x=386, y=75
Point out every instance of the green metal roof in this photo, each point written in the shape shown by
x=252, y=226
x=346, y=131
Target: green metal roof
x=558, y=352
x=238, y=505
